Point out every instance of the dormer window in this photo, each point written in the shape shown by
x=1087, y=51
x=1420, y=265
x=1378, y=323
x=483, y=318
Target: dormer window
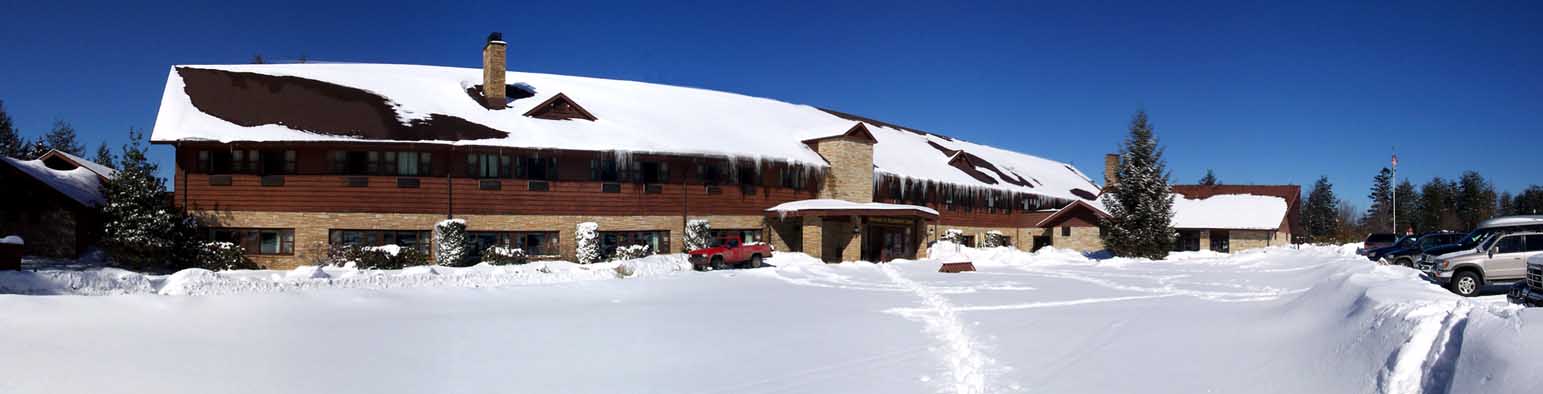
x=559, y=107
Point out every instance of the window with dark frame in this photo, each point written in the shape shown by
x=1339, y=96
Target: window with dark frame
x=533, y=243
x=536, y=168
x=659, y=241
x=257, y=241
x=653, y=172
x=1066, y=231
x=247, y=161
x=710, y=173
x=488, y=165
x=604, y=170
x=414, y=239
x=390, y=163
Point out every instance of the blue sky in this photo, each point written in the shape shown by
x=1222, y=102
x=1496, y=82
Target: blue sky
x=1261, y=93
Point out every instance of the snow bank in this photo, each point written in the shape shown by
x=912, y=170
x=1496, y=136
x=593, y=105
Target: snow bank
x=195, y=281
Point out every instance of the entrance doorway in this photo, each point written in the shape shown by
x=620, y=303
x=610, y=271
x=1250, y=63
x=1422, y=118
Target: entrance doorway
x=886, y=239
x=1040, y=241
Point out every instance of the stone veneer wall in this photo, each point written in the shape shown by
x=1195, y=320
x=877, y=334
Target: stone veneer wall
x=312, y=229
x=1083, y=239
x=851, y=169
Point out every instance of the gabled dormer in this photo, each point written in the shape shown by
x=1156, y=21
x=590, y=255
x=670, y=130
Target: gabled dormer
x=850, y=155
x=560, y=107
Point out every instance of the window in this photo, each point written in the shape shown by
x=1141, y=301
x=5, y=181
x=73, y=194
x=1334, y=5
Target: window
x=710, y=173
x=534, y=243
x=276, y=162
x=381, y=163
x=749, y=175
x=747, y=236
x=653, y=172
x=1510, y=244
x=1221, y=241
x=257, y=241
x=247, y=161
x=405, y=238
x=488, y=165
x=603, y=170
x=536, y=168
x=659, y=241
x=793, y=177
x=1066, y=231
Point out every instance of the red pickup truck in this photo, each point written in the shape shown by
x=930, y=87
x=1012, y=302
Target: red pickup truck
x=729, y=251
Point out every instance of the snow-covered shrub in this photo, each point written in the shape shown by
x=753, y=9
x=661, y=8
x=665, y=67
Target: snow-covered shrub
x=388, y=257
x=587, y=241
x=952, y=235
x=504, y=255
x=698, y=233
x=220, y=256
x=993, y=239
x=632, y=252
x=450, y=242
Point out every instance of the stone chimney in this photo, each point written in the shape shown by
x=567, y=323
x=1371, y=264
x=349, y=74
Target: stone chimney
x=493, y=69
x=1111, y=170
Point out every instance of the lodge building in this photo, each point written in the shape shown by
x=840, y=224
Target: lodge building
x=292, y=159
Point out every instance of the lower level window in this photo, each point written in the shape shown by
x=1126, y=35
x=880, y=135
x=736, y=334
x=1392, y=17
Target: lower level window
x=659, y=241
x=405, y=238
x=746, y=236
x=257, y=241
x=533, y=243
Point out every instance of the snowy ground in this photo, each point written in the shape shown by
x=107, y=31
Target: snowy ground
x=1275, y=320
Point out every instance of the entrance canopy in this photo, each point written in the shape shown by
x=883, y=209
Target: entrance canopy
x=831, y=207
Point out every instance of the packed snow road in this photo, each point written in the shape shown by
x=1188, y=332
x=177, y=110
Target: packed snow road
x=1275, y=320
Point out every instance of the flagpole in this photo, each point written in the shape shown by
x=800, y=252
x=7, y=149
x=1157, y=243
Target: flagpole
x=1394, y=192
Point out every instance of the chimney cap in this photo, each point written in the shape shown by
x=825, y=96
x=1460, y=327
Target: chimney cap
x=495, y=37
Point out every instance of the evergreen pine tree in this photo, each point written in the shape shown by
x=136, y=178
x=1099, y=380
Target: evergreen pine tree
x=104, y=156
x=1475, y=199
x=140, y=230
x=1380, y=214
x=1505, y=205
x=1141, y=206
x=1407, y=205
x=35, y=149
x=1529, y=202
x=1209, y=179
x=450, y=242
x=1319, y=215
x=1437, y=210
x=62, y=138
x=11, y=143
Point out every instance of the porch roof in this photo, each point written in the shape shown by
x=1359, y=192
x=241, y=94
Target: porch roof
x=832, y=207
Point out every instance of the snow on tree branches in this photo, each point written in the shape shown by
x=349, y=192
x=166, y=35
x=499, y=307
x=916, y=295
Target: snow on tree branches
x=697, y=234
x=450, y=242
x=587, y=241
x=1141, y=205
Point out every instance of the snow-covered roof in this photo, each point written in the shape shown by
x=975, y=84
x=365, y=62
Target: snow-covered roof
x=635, y=117
x=80, y=184
x=825, y=204
x=100, y=170
x=1222, y=211
x=1229, y=211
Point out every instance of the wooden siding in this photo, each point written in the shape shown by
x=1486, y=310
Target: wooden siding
x=313, y=189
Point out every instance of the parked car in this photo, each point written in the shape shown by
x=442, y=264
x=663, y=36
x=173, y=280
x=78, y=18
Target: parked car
x=1408, y=249
x=729, y=251
x=1376, y=240
x=1502, y=258
x=1485, y=229
x=1529, y=291
x=1377, y=254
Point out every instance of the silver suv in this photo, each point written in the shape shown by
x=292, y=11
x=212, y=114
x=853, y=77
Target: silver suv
x=1501, y=258
x=1529, y=292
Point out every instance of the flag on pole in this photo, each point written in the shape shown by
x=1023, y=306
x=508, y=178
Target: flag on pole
x=1395, y=160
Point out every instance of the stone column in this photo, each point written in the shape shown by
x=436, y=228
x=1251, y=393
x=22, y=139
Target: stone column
x=813, y=237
